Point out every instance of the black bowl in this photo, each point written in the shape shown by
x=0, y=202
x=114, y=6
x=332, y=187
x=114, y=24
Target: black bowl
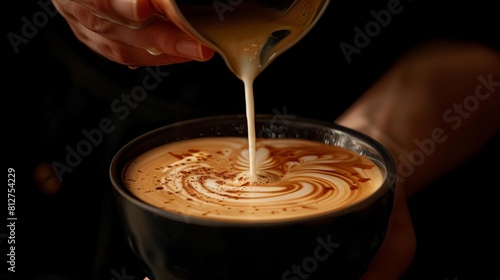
x=335, y=246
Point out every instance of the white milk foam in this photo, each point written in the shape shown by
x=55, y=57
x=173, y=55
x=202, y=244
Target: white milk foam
x=248, y=42
x=250, y=179
x=209, y=178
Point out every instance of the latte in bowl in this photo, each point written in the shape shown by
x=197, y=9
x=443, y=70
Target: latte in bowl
x=315, y=204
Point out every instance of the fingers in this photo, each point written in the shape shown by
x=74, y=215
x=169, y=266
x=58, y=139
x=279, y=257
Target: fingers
x=125, y=54
x=159, y=42
x=398, y=249
x=131, y=13
x=155, y=44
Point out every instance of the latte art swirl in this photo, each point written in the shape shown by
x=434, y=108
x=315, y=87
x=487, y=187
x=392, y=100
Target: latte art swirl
x=209, y=178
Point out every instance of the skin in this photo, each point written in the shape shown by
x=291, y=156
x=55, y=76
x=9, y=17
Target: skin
x=133, y=32
x=413, y=100
x=419, y=98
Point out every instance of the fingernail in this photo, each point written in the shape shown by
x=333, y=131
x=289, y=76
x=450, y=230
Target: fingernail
x=193, y=49
x=153, y=51
x=126, y=9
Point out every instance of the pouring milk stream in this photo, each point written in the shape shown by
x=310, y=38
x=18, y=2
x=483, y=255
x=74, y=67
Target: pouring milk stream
x=248, y=34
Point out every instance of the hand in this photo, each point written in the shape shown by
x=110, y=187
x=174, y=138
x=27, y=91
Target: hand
x=399, y=246
x=409, y=104
x=130, y=32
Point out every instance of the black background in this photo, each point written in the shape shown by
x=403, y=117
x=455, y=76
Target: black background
x=54, y=88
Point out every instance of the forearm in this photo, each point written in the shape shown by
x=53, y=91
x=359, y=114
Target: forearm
x=435, y=108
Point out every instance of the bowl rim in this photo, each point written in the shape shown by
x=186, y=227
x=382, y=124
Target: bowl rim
x=117, y=167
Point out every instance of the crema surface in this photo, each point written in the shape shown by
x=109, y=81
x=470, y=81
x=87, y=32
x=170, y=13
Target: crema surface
x=208, y=178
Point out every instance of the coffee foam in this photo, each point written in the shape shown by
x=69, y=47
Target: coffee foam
x=208, y=178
